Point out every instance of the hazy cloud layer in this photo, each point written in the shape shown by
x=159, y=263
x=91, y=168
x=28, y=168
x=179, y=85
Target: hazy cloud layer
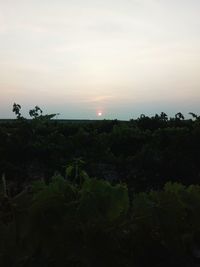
x=120, y=57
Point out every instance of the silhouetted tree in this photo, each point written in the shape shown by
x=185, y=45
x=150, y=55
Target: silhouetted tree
x=163, y=116
x=193, y=115
x=179, y=116
x=16, y=110
x=36, y=112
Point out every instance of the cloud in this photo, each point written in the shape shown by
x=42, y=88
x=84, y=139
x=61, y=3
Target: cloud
x=100, y=53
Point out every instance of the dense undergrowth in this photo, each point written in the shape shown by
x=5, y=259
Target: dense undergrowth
x=96, y=224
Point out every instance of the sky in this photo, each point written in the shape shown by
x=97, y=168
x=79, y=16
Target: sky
x=120, y=58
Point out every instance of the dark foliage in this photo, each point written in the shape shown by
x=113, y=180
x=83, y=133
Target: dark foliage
x=145, y=153
x=129, y=215
x=95, y=224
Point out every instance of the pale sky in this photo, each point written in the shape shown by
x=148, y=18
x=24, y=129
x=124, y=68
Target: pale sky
x=118, y=57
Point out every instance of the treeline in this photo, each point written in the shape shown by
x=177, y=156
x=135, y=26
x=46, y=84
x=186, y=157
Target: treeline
x=94, y=223
x=145, y=153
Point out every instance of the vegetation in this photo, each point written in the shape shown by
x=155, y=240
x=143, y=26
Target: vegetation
x=96, y=224
x=104, y=193
x=145, y=153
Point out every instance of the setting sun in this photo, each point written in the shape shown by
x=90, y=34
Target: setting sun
x=99, y=113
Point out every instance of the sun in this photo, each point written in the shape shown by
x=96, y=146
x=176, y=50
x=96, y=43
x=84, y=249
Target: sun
x=99, y=113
